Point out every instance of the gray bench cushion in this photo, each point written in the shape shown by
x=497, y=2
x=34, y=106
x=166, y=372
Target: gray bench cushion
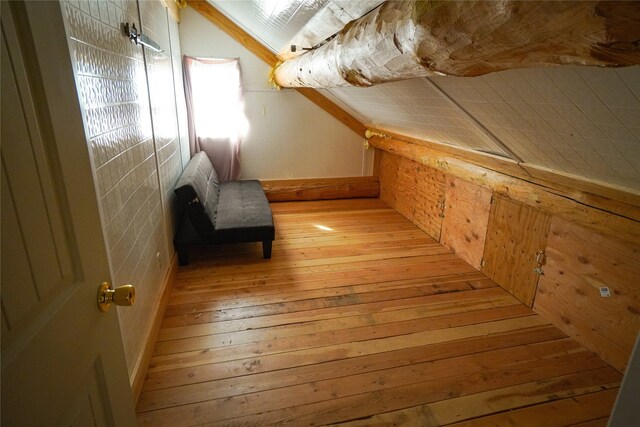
x=198, y=190
x=243, y=214
x=231, y=212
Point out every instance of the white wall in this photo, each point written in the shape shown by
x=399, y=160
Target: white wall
x=289, y=136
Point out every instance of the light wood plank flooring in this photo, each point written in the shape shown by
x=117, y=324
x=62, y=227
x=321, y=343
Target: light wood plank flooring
x=360, y=319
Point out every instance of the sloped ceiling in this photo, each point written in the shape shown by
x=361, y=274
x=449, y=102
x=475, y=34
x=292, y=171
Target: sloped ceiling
x=581, y=121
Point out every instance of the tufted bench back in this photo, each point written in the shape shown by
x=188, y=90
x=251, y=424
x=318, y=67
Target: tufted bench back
x=198, y=190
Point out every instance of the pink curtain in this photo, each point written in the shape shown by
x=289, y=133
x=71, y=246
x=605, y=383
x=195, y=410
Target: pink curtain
x=215, y=109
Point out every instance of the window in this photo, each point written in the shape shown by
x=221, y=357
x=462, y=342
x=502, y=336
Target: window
x=215, y=105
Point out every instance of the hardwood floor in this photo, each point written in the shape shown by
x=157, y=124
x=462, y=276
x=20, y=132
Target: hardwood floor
x=360, y=319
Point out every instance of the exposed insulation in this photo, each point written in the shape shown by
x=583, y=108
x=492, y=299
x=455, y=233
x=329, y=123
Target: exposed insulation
x=406, y=39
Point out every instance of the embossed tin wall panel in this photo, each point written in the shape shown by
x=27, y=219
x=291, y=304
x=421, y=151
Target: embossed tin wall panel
x=181, y=106
x=134, y=145
x=155, y=23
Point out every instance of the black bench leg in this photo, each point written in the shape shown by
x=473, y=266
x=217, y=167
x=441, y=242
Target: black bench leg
x=183, y=255
x=266, y=249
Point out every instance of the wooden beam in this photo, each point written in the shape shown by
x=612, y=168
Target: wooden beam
x=333, y=109
x=490, y=161
x=288, y=190
x=262, y=52
x=409, y=39
x=604, y=217
x=234, y=31
x=589, y=192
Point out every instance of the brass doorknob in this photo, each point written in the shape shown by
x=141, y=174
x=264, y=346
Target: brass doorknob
x=123, y=295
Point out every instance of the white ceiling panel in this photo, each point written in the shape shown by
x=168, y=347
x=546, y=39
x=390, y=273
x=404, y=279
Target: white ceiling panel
x=417, y=109
x=273, y=22
x=583, y=121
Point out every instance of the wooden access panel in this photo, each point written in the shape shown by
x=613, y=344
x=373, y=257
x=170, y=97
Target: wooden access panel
x=466, y=216
x=414, y=190
x=516, y=232
x=579, y=263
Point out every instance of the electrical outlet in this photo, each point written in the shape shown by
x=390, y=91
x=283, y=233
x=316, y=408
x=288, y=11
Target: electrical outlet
x=605, y=292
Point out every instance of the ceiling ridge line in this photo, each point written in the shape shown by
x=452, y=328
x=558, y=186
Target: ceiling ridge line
x=475, y=122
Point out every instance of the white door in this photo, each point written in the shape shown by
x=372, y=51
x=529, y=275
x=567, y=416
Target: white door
x=62, y=360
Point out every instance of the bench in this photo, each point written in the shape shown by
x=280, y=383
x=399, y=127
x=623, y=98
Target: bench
x=212, y=212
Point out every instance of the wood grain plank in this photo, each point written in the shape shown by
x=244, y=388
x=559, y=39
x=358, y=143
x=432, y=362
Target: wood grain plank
x=308, y=300
x=257, y=364
x=317, y=287
x=569, y=411
x=372, y=321
x=477, y=405
x=466, y=217
x=263, y=270
x=324, y=403
x=313, y=309
x=280, y=327
x=291, y=376
x=602, y=422
x=195, y=358
x=579, y=263
x=412, y=322
x=313, y=280
x=414, y=190
x=333, y=207
x=286, y=190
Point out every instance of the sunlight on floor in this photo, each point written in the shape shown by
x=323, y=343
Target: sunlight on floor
x=323, y=227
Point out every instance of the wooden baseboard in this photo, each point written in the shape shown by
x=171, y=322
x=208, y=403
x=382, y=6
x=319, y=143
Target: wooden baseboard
x=140, y=371
x=288, y=190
